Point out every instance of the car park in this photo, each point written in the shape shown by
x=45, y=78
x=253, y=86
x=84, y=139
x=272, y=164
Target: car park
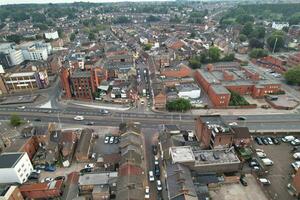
x=78, y=118
x=159, y=186
x=264, y=181
x=295, y=142
x=147, y=192
x=151, y=176
x=47, y=179
x=106, y=139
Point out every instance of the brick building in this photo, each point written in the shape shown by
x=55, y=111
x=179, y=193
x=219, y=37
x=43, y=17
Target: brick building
x=160, y=100
x=179, y=71
x=83, y=149
x=276, y=63
x=219, y=79
x=82, y=84
x=10, y=192
x=42, y=190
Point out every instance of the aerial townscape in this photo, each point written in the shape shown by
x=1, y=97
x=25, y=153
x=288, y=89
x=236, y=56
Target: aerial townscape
x=158, y=100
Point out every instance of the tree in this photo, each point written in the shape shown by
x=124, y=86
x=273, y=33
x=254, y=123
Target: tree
x=193, y=34
x=72, y=37
x=214, y=54
x=92, y=36
x=122, y=20
x=147, y=47
x=153, y=18
x=292, y=76
x=195, y=62
x=247, y=29
x=180, y=105
x=228, y=57
x=276, y=42
x=243, y=19
x=14, y=38
x=294, y=19
x=242, y=37
x=237, y=100
x=255, y=43
x=60, y=32
x=15, y=120
x=38, y=18
x=258, y=53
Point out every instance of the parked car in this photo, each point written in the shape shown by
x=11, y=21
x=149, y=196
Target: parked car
x=47, y=179
x=39, y=167
x=78, y=118
x=33, y=176
x=296, y=155
x=106, y=140
x=37, y=120
x=275, y=140
x=117, y=140
x=261, y=154
x=147, y=192
x=159, y=186
x=258, y=140
x=241, y=118
x=296, y=165
x=267, y=161
x=50, y=168
x=295, y=142
x=86, y=170
x=90, y=165
x=296, y=149
x=243, y=181
x=260, y=150
x=288, y=138
x=253, y=163
x=37, y=171
x=265, y=141
x=154, y=149
x=265, y=106
x=151, y=176
x=270, y=140
x=157, y=170
x=264, y=181
x=60, y=178
x=112, y=139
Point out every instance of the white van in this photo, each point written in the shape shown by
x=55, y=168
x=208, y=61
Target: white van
x=267, y=161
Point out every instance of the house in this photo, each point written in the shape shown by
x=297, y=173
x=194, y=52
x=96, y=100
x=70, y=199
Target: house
x=130, y=188
x=28, y=145
x=160, y=100
x=15, y=167
x=83, y=149
x=179, y=71
x=10, y=192
x=42, y=190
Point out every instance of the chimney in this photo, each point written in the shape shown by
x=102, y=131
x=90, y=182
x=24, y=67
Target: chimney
x=210, y=67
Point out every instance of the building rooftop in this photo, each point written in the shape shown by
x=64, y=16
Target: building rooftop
x=9, y=160
x=182, y=154
x=96, y=179
x=220, y=89
x=81, y=74
x=21, y=74
x=208, y=76
x=187, y=87
x=216, y=123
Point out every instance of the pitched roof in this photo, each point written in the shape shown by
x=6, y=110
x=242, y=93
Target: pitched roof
x=130, y=188
x=84, y=141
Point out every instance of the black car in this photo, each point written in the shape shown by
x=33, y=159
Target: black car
x=86, y=170
x=90, y=123
x=241, y=118
x=258, y=140
x=154, y=149
x=243, y=181
x=157, y=170
x=33, y=176
x=275, y=140
x=59, y=178
x=265, y=140
x=117, y=140
x=37, y=120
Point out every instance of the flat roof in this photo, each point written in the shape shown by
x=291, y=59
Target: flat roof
x=96, y=179
x=216, y=156
x=182, y=154
x=208, y=76
x=9, y=160
x=21, y=74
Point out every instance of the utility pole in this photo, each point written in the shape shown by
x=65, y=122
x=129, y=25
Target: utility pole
x=274, y=45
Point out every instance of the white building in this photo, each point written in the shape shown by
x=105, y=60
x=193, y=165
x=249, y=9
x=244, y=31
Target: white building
x=9, y=56
x=144, y=40
x=279, y=26
x=36, y=50
x=188, y=91
x=52, y=35
x=15, y=167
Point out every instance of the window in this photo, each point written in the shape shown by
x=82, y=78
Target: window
x=19, y=169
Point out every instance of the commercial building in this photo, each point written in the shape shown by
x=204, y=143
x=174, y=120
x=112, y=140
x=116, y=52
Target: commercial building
x=23, y=81
x=10, y=192
x=188, y=91
x=218, y=79
x=81, y=84
x=35, y=50
x=51, y=35
x=203, y=161
x=9, y=56
x=14, y=167
x=42, y=190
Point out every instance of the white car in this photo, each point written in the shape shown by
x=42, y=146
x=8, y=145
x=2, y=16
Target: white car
x=89, y=166
x=296, y=155
x=267, y=161
x=21, y=107
x=159, y=186
x=112, y=139
x=259, y=150
x=147, y=192
x=261, y=154
x=270, y=140
x=47, y=179
x=264, y=181
x=295, y=142
x=233, y=124
x=151, y=176
x=106, y=140
x=37, y=171
x=288, y=138
x=79, y=118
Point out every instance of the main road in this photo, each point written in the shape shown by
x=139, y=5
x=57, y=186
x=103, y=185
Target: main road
x=256, y=123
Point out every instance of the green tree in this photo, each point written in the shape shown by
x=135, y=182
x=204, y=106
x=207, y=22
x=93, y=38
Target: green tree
x=237, y=100
x=294, y=19
x=228, y=57
x=258, y=53
x=255, y=43
x=153, y=18
x=180, y=105
x=276, y=42
x=214, y=54
x=14, y=38
x=92, y=36
x=38, y=18
x=292, y=76
x=242, y=37
x=72, y=37
x=247, y=29
x=193, y=34
x=60, y=32
x=243, y=19
x=15, y=120
x=195, y=62
x=147, y=47
x=122, y=20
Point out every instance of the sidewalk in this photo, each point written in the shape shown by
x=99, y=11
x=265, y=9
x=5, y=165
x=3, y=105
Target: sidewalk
x=96, y=105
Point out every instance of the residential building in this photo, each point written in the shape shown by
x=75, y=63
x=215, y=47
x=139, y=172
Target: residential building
x=203, y=161
x=9, y=55
x=276, y=63
x=213, y=133
x=279, y=26
x=15, y=167
x=294, y=30
x=81, y=84
x=10, y=192
x=160, y=100
x=51, y=35
x=179, y=71
x=42, y=190
x=83, y=149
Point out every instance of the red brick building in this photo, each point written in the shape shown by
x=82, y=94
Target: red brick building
x=295, y=185
x=65, y=82
x=179, y=71
x=42, y=190
x=275, y=63
x=218, y=80
x=11, y=192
